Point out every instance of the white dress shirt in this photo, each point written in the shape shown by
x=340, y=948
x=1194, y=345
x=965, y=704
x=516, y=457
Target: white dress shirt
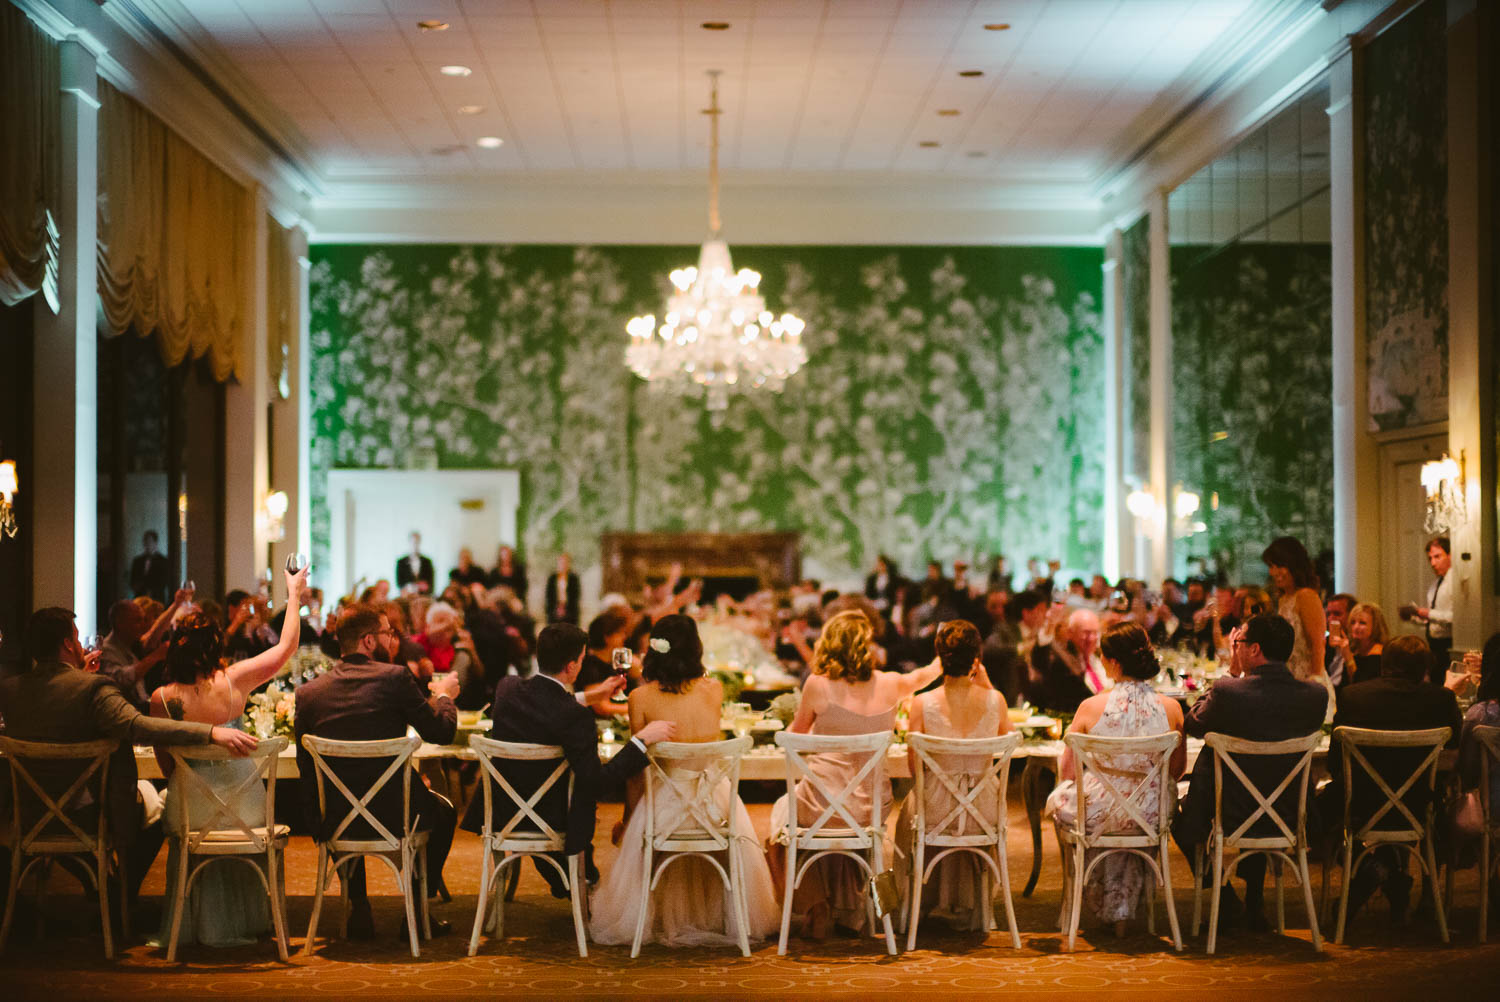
x=1440, y=608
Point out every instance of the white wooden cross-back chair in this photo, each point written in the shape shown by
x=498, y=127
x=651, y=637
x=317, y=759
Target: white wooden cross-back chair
x=835, y=832
x=1415, y=834
x=1489, y=836
x=73, y=824
x=404, y=853
x=526, y=833
x=259, y=846
x=1126, y=825
x=1288, y=844
x=689, y=775
x=966, y=829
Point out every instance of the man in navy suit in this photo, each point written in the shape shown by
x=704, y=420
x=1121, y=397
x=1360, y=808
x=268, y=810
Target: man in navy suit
x=1262, y=701
x=543, y=709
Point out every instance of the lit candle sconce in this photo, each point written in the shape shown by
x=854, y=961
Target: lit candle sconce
x=9, y=486
x=1443, y=486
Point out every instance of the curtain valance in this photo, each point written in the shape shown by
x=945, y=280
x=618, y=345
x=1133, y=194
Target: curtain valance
x=30, y=166
x=172, y=237
x=281, y=305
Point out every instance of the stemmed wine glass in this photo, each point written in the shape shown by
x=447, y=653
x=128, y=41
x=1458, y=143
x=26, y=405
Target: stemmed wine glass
x=621, y=659
x=296, y=562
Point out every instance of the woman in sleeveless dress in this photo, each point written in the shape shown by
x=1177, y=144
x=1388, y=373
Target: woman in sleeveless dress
x=1131, y=709
x=844, y=695
x=967, y=706
x=689, y=906
x=1298, y=602
x=227, y=905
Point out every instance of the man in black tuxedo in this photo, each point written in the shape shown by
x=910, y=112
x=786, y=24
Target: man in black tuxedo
x=563, y=593
x=1262, y=701
x=543, y=709
x=414, y=569
x=362, y=698
x=1400, y=699
x=882, y=583
x=148, y=571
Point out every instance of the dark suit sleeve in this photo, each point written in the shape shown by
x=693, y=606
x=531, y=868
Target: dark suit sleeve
x=580, y=746
x=1206, y=715
x=116, y=717
x=435, y=720
x=1455, y=718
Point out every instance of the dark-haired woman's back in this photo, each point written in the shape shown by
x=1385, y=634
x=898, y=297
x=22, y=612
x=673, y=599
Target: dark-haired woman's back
x=688, y=906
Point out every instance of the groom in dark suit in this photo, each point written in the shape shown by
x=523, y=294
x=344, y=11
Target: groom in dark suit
x=543, y=709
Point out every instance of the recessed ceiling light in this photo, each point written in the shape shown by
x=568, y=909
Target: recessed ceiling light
x=433, y=25
x=1000, y=26
x=451, y=148
x=948, y=112
x=715, y=25
x=470, y=109
x=490, y=142
x=454, y=71
x=971, y=73
x=974, y=153
x=928, y=144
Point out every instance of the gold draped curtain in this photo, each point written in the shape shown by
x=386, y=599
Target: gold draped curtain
x=173, y=229
x=30, y=164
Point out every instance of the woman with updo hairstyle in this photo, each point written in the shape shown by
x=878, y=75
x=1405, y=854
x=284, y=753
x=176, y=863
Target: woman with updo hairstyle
x=966, y=705
x=1129, y=708
x=227, y=904
x=688, y=906
x=846, y=694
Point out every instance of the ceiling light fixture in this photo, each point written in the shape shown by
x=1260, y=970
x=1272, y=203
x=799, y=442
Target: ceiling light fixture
x=715, y=26
x=454, y=71
x=490, y=142
x=717, y=334
x=971, y=73
x=974, y=153
x=470, y=109
x=948, y=112
x=433, y=25
x=928, y=144
x=1001, y=26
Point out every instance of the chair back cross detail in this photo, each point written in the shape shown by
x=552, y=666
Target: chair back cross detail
x=398, y=750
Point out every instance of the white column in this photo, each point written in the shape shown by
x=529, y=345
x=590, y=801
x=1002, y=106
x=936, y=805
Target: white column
x=65, y=554
x=1117, y=521
x=1161, y=390
x=289, y=444
x=1356, y=460
x=246, y=470
x=1471, y=318
x=302, y=390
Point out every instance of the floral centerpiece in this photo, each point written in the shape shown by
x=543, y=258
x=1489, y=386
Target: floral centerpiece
x=736, y=657
x=271, y=713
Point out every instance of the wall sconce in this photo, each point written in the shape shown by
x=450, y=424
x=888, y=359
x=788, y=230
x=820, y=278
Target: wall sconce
x=1141, y=504
x=272, y=516
x=9, y=485
x=1443, y=486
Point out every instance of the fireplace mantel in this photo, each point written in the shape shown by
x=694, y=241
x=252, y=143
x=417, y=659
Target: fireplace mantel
x=631, y=558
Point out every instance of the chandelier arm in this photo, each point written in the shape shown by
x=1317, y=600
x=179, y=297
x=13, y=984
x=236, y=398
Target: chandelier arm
x=713, y=113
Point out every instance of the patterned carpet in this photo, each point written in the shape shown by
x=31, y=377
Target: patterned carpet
x=538, y=958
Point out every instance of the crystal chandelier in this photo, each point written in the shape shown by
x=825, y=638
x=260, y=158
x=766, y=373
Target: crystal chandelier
x=717, y=333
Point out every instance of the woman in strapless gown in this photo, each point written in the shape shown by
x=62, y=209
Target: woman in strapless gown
x=844, y=695
x=228, y=905
x=688, y=906
x=967, y=706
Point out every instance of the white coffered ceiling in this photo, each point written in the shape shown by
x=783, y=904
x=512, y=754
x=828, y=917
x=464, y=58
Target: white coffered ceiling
x=811, y=88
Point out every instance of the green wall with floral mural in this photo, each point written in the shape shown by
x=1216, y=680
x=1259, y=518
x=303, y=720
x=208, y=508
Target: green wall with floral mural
x=1135, y=265
x=1406, y=219
x=952, y=405
x=1253, y=398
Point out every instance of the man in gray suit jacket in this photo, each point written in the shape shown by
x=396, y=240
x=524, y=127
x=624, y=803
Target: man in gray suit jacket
x=62, y=700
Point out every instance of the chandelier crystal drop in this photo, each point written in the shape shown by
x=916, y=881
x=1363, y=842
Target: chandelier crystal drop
x=717, y=335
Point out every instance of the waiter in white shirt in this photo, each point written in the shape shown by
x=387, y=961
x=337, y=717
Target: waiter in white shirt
x=1437, y=614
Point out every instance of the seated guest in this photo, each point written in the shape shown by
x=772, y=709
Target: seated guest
x=248, y=633
x=845, y=694
x=1400, y=699
x=451, y=649
x=608, y=630
x=120, y=659
x=364, y=699
x=545, y=709
x=509, y=573
x=1001, y=651
x=1069, y=669
x=227, y=905
x=1484, y=713
x=468, y=572
x=1130, y=709
x=1358, y=642
x=61, y=700
x=1336, y=614
x=1261, y=701
x=688, y=906
x=964, y=706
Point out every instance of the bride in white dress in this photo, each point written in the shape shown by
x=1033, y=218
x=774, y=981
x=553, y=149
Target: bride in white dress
x=689, y=906
x=228, y=905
